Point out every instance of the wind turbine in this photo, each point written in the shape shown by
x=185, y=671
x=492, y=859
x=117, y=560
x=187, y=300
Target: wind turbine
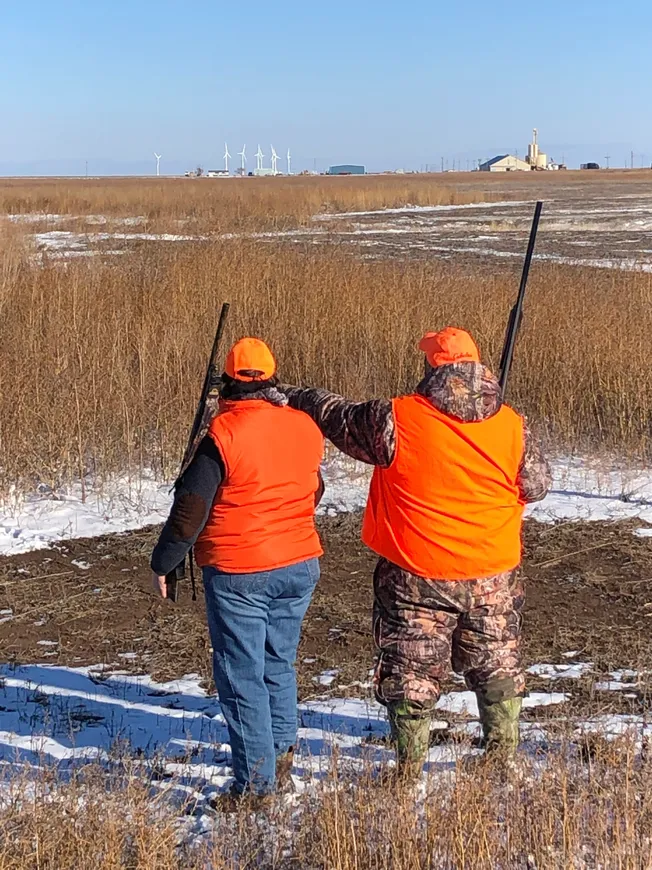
x=289, y=164
x=158, y=163
x=274, y=161
x=243, y=159
x=259, y=159
x=226, y=157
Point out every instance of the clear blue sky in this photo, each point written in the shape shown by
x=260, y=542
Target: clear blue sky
x=388, y=84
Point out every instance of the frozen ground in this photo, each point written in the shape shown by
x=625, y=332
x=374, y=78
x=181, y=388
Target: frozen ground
x=608, y=227
x=592, y=230
x=54, y=716
x=582, y=490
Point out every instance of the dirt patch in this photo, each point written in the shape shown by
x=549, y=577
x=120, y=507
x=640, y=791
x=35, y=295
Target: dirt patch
x=88, y=601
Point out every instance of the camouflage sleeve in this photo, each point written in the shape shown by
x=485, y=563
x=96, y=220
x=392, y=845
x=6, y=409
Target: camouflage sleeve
x=362, y=430
x=534, y=478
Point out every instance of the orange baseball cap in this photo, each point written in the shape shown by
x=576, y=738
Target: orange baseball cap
x=450, y=345
x=250, y=360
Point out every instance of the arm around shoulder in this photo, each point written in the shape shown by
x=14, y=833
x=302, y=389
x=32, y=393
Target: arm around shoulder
x=361, y=430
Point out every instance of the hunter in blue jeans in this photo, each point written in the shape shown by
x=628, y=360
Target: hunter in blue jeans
x=246, y=503
x=255, y=623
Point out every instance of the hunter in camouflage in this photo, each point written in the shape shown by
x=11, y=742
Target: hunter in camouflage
x=422, y=625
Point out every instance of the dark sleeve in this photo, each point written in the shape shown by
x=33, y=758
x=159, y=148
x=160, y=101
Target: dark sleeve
x=362, y=430
x=320, y=489
x=193, y=498
x=534, y=476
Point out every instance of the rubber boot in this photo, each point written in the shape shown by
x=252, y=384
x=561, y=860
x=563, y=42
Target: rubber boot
x=284, y=781
x=410, y=732
x=500, y=725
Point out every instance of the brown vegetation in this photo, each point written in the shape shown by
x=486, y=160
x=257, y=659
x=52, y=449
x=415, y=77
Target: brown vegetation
x=219, y=205
x=101, y=359
x=559, y=813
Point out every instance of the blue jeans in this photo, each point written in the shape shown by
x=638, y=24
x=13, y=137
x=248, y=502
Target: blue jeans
x=255, y=622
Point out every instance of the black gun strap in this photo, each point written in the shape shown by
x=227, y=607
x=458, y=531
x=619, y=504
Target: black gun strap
x=193, y=585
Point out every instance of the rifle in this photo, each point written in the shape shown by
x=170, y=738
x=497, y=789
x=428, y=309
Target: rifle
x=200, y=424
x=516, y=313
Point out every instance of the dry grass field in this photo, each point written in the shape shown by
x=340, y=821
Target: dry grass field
x=566, y=814
x=102, y=355
x=226, y=205
x=101, y=361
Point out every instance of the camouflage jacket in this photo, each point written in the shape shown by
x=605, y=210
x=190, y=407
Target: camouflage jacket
x=466, y=391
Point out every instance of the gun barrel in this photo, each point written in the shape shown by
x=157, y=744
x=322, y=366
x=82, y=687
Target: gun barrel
x=199, y=414
x=517, y=311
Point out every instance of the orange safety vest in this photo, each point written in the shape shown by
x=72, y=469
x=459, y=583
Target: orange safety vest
x=448, y=507
x=263, y=514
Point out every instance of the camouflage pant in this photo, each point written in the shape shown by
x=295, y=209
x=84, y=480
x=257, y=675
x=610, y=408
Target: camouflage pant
x=422, y=627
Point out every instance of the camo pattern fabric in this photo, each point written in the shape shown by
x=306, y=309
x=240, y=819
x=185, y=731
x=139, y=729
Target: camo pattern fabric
x=467, y=391
x=423, y=627
x=362, y=430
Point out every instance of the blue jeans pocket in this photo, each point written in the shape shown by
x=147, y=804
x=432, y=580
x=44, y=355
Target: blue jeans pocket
x=247, y=584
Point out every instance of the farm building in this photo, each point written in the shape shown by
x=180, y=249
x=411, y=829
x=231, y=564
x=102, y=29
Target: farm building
x=505, y=163
x=346, y=169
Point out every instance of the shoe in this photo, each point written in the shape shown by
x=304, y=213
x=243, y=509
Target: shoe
x=234, y=801
x=284, y=782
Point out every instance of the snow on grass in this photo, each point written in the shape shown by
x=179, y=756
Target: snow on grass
x=121, y=504
x=561, y=672
x=422, y=209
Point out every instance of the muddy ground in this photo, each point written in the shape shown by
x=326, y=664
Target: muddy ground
x=89, y=601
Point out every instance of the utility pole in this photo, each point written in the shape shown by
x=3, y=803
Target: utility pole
x=608, y=158
x=442, y=164
x=87, y=169
x=632, y=155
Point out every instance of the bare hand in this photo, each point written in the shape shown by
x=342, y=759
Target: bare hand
x=159, y=585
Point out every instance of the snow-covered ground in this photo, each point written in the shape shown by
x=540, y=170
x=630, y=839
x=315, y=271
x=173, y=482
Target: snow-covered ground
x=59, y=716
x=583, y=490
x=54, y=715
x=580, y=227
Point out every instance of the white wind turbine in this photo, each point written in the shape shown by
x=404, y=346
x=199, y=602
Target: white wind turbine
x=289, y=164
x=274, y=161
x=243, y=159
x=259, y=158
x=226, y=157
x=158, y=163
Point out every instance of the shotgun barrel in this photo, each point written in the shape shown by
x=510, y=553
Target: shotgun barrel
x=516, y=313
x=199, y=425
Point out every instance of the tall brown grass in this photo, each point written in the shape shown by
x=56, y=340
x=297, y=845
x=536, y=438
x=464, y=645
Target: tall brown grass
x=235, y=204
x=101, y=359
x=552, y=813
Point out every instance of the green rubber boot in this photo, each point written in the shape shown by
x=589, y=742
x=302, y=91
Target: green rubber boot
x=410, y=732
x=500, y=725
